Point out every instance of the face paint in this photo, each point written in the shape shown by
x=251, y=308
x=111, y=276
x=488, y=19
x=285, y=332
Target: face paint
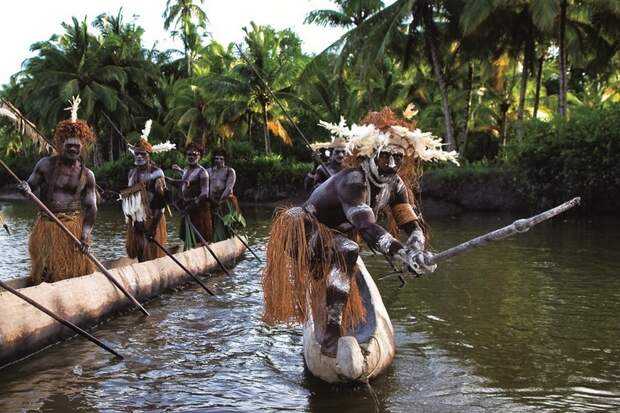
x=218, y=160
x=338, y=156
x=192, y=157
x=389, y=161
x=141, y=158
x=72, y=148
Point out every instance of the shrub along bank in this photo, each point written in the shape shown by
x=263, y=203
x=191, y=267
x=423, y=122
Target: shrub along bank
x=555, y=161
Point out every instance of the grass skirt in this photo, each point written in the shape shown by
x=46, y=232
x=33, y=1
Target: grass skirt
x=230, y=211
x=54, y=255
x=141, y=248
x=297, y=270
x=202, y=220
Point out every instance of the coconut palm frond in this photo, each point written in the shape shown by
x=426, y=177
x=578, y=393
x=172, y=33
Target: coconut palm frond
x=24, y=126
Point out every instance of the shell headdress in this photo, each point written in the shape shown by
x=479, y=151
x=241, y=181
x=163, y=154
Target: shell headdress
x=381, y=130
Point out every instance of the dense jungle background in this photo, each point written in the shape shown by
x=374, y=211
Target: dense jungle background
x=526, y=91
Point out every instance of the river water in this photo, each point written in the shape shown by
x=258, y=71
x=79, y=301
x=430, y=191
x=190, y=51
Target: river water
x=529, y=323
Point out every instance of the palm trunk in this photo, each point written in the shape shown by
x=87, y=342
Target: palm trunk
x=435, y=60
x=504, y=106
x=111, y=149
x=541, y=62
x=522, y=93
x=250, y=126
x=562, y=47
x=266, y=130
x=469, y=87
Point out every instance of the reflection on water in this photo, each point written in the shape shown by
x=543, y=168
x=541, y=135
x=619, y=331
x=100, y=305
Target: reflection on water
x=527, y=324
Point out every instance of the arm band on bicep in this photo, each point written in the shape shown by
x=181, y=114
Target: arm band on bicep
x=403, y=213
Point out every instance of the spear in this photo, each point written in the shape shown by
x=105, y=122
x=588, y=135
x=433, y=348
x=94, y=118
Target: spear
x=89, y=254
x=59, y=319
x=519, y=226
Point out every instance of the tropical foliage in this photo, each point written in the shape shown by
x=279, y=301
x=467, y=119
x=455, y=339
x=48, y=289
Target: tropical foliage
x=481, y=72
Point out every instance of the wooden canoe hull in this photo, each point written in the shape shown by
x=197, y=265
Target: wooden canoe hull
x=89, y=300
x=365, y=354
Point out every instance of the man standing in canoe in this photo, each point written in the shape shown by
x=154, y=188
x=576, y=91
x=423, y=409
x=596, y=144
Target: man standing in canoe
x=224, y=204
x=193, y=199
x=309, y=254
x=67, y=187
x=336, y=162
x=144, y=201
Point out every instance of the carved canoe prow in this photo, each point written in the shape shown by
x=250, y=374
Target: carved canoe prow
x=363, y=354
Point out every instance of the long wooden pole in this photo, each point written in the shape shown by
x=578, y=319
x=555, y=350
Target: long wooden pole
x=90, y=255
x=59, y=319
x=236, y=234
x=521, y=225
x=173, y=258
x=204, y=241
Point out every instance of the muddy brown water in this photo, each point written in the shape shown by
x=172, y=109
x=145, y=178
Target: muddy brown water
x=527, y=324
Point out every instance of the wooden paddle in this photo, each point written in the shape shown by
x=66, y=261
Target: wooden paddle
x=90, y=255
x=59, y=319
x=173, y=258
x=236, y=234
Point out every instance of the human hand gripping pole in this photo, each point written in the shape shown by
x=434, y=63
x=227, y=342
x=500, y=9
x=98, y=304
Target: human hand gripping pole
x=23, y=186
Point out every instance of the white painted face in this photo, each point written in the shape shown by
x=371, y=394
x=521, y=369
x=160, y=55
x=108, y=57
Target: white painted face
x=141, y=157
x=72, y=148
x=389, y=160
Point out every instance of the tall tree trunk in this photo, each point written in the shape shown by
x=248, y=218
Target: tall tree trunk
x=431, y=40
x=541, y=62
x=266, y=130
x=562, y=47
x=504, y=106
x=522, y=92
x=111, y=151
x=469, y=87
x=250, y=127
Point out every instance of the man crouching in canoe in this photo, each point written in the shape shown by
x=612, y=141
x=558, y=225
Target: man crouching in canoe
x=67, y=187
x=144, y=201
x=309, y=254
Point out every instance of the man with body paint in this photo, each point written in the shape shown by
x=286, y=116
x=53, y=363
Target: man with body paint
x=309, y=254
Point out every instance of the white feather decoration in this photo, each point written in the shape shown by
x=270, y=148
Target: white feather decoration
x=147, y=129
x=366, y=140
x=164, y=147
x=75, y=105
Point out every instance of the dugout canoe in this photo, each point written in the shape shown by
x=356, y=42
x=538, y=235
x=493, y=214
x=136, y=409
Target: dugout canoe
x=363, y=354
x=91, y=299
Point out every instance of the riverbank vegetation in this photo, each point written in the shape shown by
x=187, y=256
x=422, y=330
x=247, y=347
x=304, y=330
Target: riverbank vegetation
x=525, y=88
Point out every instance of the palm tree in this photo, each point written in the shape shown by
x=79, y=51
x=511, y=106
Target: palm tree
x=66, y=66
x=277, y=58
x=189, y=16
x=402, y=22
x=349, y=13
x=121, y=46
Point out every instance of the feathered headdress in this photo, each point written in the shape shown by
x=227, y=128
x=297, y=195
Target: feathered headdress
x=383, y=129
x=144, y=144
x=73, y=127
